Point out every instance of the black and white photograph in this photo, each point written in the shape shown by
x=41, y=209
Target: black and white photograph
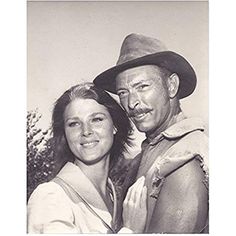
x=117, y=117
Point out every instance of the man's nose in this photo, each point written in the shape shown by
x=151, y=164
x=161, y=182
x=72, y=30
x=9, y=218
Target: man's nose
x=86, y=129
x=133, y=100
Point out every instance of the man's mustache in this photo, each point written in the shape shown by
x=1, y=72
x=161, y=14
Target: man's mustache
x=138, y=111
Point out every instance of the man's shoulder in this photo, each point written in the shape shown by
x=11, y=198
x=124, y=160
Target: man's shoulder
x=184, y=126
x=195, y=134
x=188, y=180
x=194, y=137
x=193, y=145
x=195, y=142
x=188, y=174
x=184, y=194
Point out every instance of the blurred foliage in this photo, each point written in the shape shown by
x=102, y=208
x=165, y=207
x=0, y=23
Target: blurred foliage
x=40, y=160
x=118, y=175
x=123, y=175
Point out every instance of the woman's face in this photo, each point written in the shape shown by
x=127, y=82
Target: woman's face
x=88, y=129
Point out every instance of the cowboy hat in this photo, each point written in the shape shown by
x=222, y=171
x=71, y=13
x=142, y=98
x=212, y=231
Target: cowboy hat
x=138, y=50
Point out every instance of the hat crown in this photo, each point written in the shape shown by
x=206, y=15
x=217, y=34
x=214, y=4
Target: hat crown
x=138, y=50
x=137, y=45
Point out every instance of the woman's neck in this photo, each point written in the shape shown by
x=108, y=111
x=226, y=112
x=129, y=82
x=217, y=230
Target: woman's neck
x=97, y=173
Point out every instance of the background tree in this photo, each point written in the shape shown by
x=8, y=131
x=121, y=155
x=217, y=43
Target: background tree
x=40, y=160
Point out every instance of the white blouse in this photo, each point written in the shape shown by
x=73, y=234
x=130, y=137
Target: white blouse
x=51, y=210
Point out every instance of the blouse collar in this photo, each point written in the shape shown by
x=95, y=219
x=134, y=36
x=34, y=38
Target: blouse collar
x=73, y=175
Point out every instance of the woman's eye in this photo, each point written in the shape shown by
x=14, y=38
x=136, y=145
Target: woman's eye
x=73, y=124
x=121, y=93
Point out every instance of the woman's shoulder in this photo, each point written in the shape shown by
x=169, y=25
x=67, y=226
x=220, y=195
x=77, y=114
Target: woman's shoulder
x=47, y=192
x=49, y=208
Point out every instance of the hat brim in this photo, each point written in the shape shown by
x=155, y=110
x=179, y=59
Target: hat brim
x=167, y=59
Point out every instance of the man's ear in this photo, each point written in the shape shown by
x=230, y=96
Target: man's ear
x=173, y=85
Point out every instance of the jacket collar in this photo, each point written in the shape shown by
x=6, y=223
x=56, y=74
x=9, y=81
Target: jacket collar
x=182, y=127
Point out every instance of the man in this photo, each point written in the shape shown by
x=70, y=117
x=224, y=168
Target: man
x=150, y=81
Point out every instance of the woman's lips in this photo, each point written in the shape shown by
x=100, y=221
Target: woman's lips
x=89, y=144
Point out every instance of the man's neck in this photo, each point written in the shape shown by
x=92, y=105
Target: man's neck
x=173, y=117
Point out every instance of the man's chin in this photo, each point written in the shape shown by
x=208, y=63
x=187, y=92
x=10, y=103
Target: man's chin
x=142, y=127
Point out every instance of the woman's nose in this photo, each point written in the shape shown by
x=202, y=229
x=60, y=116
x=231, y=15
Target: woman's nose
x=86, y=130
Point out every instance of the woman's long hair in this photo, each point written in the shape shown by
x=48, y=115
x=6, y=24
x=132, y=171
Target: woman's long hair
x=120, y=120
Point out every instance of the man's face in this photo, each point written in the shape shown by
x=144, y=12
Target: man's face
x=144, y=95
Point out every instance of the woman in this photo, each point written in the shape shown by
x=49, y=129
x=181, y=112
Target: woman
x=90, y=131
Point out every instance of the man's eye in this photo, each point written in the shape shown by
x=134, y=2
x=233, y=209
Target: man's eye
x=97, y=119
x=73, y=124
x=143, y=86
